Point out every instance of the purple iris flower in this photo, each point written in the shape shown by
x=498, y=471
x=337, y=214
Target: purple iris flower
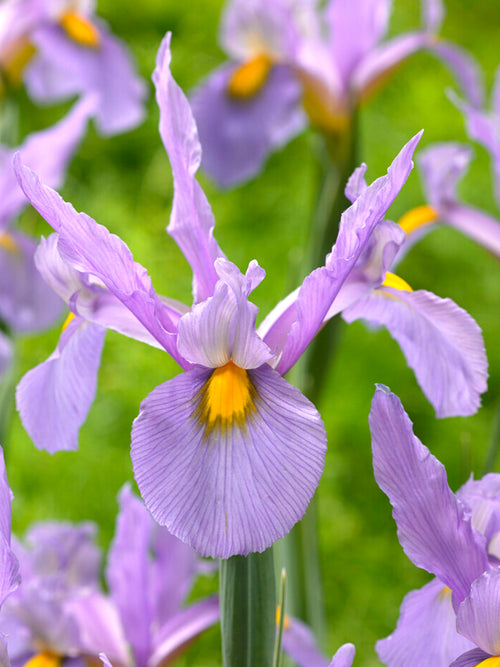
x=483, y=126
x=453, y=536
x=61, y=49
x=59, y=611
x=433, y=333
x=9, y=565
x=227, y=455
x=441, y=167
x=26, y=303
x=293, y=60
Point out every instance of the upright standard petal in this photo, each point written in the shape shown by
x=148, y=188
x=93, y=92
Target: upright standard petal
x=90, y=248
x=67, y=383
x=441, y=342
x=478, y=617
x=426, y=632
x=434, y=527
x=288, y=330
x=191, y=221
x=224, y=480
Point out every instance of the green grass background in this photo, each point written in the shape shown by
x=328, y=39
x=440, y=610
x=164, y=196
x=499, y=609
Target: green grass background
x=125, y=183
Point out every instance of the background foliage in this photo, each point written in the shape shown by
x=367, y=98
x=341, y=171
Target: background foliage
x=125, y=183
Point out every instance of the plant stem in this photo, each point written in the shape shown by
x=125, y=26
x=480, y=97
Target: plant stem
x=248, y=610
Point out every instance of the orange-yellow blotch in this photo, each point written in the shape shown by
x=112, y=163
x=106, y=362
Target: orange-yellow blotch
x=286, y=620
x=494, y=661
x=70, y=318
x=9, y=244
x=226, y=398
x=417, y=217
x=80, y=29
x=445, y=592
x=44, y=659
x=248, y=79
x=392, y=280
x=14, y=59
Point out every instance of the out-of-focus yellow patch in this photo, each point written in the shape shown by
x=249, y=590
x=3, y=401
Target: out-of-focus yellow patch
x=445, y=592
x=9, y=244
x=14, y=59
x=325, y=112
x=80, y=29
x=44, y=659
x=226, y=398
x=286, y=620
x=494, y=661
x=70, y=318
x=392, y=280
x=417, y=217
x=249, y=78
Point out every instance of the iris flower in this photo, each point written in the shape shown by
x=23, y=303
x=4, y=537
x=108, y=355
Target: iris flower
x=61, y=49
x=293, y=61
x=483, y=126
x=227, y=454
x=441, y=167
x=433, y=333
x=26, y=303
x=453, y=536
x=60, y=612
x=9, y=566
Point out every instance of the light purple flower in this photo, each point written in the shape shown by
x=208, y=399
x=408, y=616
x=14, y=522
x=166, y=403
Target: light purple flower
x=293, y=61
x=441, y=167
x=26, y=303
x=453, y=536
x=483, y=126
x=60, y=609
x=227, y=455
x=61, y=49
x=9, y=565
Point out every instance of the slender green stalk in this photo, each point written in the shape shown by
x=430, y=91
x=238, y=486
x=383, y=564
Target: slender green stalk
x=248, y=610
x=7, y=393
x=338, y=160
x=281, y=622
x=494, y=443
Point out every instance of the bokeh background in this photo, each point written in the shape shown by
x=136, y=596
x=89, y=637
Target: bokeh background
x=126, y=184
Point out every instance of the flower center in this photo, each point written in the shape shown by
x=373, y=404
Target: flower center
x=227, y=397
x=326, y=113
x=44, y=659
x=14, y=59
x=80, y=29
x=249, y=78
x=9, y=244
x=417, y=217
x=494, y=661
x=392, y=280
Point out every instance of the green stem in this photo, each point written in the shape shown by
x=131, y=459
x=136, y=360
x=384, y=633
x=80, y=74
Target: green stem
x=248, y=610
x=339, y=160
x=281, y=623
x=494, y=444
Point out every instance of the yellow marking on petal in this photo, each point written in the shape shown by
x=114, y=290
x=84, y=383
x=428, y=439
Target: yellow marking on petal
x=70, y=318
x=8, y=243
x=226, y=398
x=44, y=659
x=14, y=59
x=417, y=217
x=249, y=78
x=286, y=621
x=445, y=592
x=494, y=661
x=325, y=112
x=77, y=26
x=392, y=280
